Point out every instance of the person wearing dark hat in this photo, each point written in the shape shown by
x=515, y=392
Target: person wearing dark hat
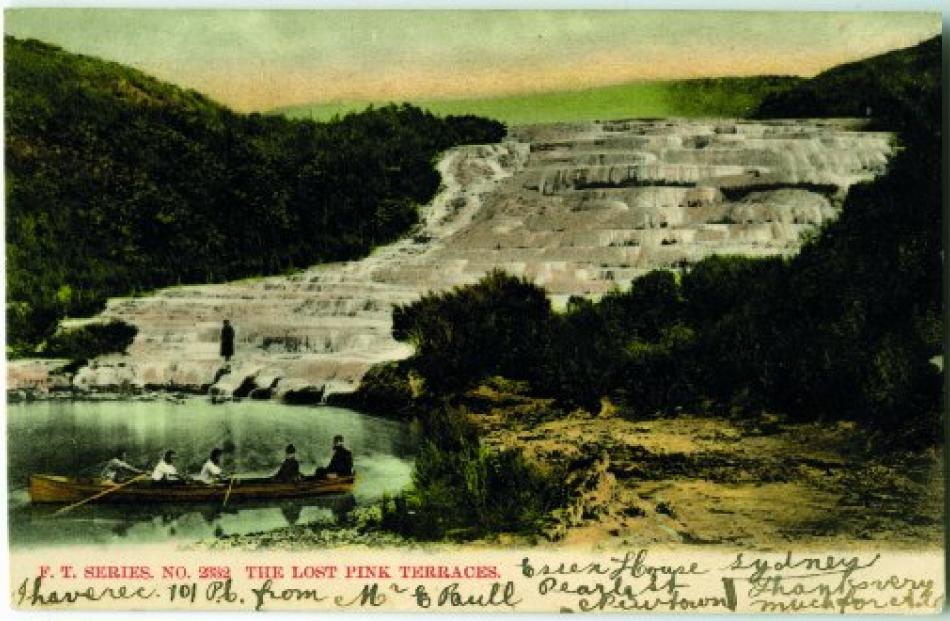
x=289, y=471
x=341, y=464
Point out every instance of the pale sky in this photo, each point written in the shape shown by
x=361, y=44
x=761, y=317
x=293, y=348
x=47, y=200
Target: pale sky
x=259, y=60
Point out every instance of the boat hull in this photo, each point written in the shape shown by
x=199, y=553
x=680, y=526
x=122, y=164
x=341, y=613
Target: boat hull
x=49, y=489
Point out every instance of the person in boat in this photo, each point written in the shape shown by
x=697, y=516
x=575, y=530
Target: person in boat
x=341, y=464
x=211, y=470
x=227, y=341
x=165, y=471
x=118, y=469
x=289, y=471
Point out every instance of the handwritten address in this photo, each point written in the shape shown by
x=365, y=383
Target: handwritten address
x=628, y=580
x=788, y=583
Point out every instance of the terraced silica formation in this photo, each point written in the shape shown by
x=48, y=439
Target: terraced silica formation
x=578, y=209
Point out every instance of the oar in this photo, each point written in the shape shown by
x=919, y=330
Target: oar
x=227, y=494
x=99, y=495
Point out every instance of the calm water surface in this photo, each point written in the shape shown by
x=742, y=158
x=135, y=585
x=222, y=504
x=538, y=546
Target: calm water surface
x=78, y=437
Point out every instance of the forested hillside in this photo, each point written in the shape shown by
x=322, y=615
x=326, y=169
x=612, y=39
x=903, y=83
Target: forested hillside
x=896, y=90
x=118, y=183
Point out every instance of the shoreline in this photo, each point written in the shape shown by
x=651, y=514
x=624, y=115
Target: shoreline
x=684, y=479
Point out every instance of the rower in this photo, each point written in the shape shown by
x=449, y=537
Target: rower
x=166, y=471
x=211, y=470
x=118, y=469
x=341, y=464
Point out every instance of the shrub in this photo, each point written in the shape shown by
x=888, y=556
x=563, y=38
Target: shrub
x=472, y=492
x=91, y=340
x=494, y=327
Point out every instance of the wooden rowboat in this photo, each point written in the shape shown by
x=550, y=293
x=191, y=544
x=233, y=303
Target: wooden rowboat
x=50, y=488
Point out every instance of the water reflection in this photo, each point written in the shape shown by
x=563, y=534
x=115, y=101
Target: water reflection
x=184, y=520
x=75, y=437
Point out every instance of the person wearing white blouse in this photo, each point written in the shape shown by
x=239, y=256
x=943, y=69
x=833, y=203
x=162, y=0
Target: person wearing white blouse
x=165, y=470
x=211, y=470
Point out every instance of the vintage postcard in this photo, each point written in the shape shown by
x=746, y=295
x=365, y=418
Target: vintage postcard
x=495, y=311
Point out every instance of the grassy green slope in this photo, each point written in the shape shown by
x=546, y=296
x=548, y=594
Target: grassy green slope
x=727, y=97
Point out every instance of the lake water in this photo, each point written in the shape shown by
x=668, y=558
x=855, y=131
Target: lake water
x=78, y=437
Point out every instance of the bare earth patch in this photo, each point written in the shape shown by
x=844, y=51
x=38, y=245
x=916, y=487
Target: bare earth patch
x=698, y=480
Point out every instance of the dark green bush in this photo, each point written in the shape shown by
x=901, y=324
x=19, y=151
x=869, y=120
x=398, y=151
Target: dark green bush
x=384, y=390
x=495, y=327
x=472, y=492
x=91, y=340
